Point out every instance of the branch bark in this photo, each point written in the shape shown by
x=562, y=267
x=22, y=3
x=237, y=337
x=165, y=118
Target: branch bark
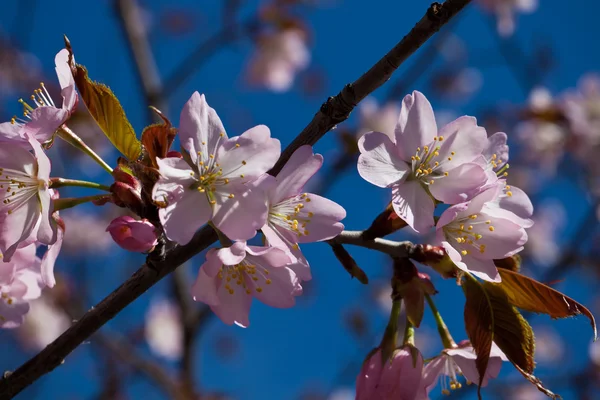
x=394, y=249
x=334, y=111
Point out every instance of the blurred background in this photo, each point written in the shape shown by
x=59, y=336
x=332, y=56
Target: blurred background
x=523, y=68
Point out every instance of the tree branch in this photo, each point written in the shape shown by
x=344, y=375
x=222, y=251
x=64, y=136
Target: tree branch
x=334, y=111
x=394, y=249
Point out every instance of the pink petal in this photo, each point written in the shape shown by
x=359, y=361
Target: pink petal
x=232, y=255
x=519, y=203
x=182, y=218
x=256, y=154
x=65, y=79
x=301, y=166
x=11, y=133
x=459, y=184
x=43, y=162
x=15, y=156
x=454, y=256
x=368, y=377
x=280, y=292
x=486, y=195
x=49, y=259
x=483, y=269
x=431, y=374
x=506, y=239
x=497, y=145
x=268, y=256
x=31, y=280
x=416, y=124
x=47, y=230
x=399, y=379
x=213, y=263
x=412, y=203
x=324, y=224
x=276, y=238
x=18, y=226
x=378, y=162
x=463, y=137
x=44, y=122
x=13, y=314
x=200, y=128
x=233, y=307
x=205, y=289
x=450, y=214
x=241, y=216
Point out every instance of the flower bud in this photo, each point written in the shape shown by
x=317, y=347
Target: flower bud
x=127, y=189
x=411, y=285
x=436, y=258
x=133, y=235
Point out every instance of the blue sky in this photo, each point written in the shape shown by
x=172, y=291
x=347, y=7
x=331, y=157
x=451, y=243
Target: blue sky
x=284, y=352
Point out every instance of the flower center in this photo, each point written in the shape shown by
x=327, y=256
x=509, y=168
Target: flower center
x=449, y=380
x=290, y=214
x=16, y=188
x=467, y=231
x=245, y=276
x=40, y=98
x=427, y=164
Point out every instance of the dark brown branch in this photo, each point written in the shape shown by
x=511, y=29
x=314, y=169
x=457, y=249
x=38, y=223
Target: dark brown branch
x=334, y=111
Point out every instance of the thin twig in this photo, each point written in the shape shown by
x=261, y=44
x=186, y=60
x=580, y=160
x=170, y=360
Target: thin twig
x=394, y=249
x=334, y=111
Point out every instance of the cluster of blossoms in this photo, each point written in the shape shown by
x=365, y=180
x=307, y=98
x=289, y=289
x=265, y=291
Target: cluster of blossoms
x=505, y=11
x=224, y=180
x=459, y=166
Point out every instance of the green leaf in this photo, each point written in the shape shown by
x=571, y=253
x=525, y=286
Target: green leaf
x=531, y=295
x=106, y=110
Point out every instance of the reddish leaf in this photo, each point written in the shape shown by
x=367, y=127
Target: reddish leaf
x=157, y=139
x=512, y=263
x=531, y=295
x=384, y=224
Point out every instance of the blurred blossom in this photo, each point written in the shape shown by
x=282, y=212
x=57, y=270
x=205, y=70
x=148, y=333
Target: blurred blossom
x=18, y=69
x=541, y=134
x=379, y=118
x=458, y=83
x=526, y=391
x=278, y=58
x=85, y=233
x=163, y=329
x=505, y=11
x=44, y=323
x=342, y=394
x=549, y=346
x=594, y=351
x=453, y=49
x=542, y=246
x=382, y=293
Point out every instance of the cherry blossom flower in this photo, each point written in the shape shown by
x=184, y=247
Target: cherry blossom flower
x=133, y=235
x=474, y=234
x=26, y=206
x=542, y=245
x=20, y=281
x=232, y=276
x=163, y=329
x=297, y=217
x=45, y=117
x=86, y=233
x=505, y=11
x=452, y=363
x=394, y=379
x=278, y=58
x=379, y=118
x=423, y=165
x=43, y=324
x=209, y=183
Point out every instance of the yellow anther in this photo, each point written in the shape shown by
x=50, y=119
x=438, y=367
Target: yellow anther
x=474, y=216
x=509, y=193
x=419, y=171
x=431, y=182
x=441, y=138
x=413, y=158
x=244, y=162
x=231, y=291
x=426, y=148
x=462, y=227
x=259, y=289
x=231, y=196
x=464, y=252
x=226, y=180
x=494, y=156
x=436, y=153
x=237, y=145
x=222, y=134
x=488, y=222
x=242, y=175
x=446, y=173
x=211, y=156
x=478, y=236
x=435, y=164
x=268, y=281
x=213, y=202
x=491, y=228
x=449, y=158
x=482, y=248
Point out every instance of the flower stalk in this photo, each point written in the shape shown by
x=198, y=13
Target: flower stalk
x=69, y=202
x=70, y=137
x=447, y=340
x=56, y=183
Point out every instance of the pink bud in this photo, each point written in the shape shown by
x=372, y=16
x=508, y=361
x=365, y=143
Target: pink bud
x=132, y=235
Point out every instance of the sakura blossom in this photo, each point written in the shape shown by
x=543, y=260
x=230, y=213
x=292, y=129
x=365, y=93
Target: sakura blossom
x=163, y=330
x=41, y=120
x=133, y=235
x=232, y=276
x=26, y=206
x=474, y=234
x=455, y=362
x=376, y=117
x=296, y=216
x=43, y=324
x=279, y=57
x=209, y=183
x=423, y=165
x=550, y=220
x=505, y=11
x=398, y=378
x=20, y=282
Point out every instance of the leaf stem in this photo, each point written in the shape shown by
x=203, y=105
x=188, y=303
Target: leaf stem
x=68, y=202
x=65, y=133
x=447, y=340
x=390, y=336
x=62, y=182
x=409, y=333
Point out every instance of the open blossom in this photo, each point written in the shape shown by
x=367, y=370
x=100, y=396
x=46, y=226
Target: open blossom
x=44, y=118
x=505, y=11
x=232, y=276
x=163, y=329
x=26, y=206
x=422, y=164
x=394, y=379
x=279, y=56
x=379, y=118
x=452, y=363
x=297, y=217
x=474, y=234
x=20, y=281
x=43, y=324
x=209, y=183
x=133, y=235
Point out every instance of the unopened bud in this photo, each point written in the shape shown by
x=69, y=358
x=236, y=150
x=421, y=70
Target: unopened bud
x=436, y=258
x=130, y=234
x=384, y=224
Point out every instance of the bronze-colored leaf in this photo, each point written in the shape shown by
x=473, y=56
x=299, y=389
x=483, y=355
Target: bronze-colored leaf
x=531, y=295
x=157, y=140
x=538, y=384
x=384, y=224
x=348, y=263
x=106, y=110
x=512, y=263
x=479, y=324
